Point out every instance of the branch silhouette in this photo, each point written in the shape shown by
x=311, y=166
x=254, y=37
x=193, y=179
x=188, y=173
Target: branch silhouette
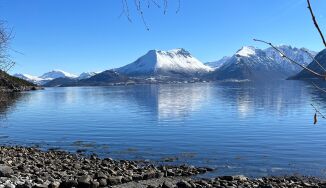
x=316, y=23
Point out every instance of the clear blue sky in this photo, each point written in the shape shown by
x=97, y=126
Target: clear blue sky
x=88, y=35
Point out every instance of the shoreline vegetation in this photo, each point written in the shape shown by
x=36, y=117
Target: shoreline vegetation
x=27, y=167
x=13, y=84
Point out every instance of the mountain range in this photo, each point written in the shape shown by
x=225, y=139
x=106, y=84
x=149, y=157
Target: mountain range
x=250, y=63
x=179, y=65
x=52, y=75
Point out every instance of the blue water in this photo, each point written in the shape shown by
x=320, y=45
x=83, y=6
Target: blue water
x=237, y=128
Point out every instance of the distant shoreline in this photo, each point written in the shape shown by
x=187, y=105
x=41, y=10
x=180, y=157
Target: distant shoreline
x=31, y=167
x=21, y=89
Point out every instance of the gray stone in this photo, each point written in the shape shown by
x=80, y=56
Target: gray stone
x=227, y=178
x=40, y=185
x=54, y=184
x=84, y=181
x=5, y=171
x=137, y=177
x=149, y=175
x=114, y=180
x=9, y=185
x=167, y=184
x=126, y=179
x=95, y=184
x=151, y=186
x=69, y=184
x=103, y=182
x=240, y=178
x=184, y=184
x=101, y=175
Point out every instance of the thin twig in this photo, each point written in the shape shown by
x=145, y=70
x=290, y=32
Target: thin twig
x=317, y=111
x=126, y=10
x=141, y=13
x=315, y=22
x=165, y=6
x=289, y=59
x=179, y=7
x=317, y=87
x=155, y=3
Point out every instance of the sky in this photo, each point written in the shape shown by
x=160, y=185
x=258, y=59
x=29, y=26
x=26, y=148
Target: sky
x=93, y=35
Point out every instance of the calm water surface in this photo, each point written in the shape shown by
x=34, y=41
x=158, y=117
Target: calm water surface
x=237, y=128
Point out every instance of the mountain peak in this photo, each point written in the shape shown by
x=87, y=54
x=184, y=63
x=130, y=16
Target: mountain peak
x=159, y=62
x=173, y=52
x=284, y=46
x=246, y=51
x=180, y=51
x=85, y=75
x=57, y=74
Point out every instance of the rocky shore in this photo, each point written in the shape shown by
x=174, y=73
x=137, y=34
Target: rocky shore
x=20, y=89
x=23, y=167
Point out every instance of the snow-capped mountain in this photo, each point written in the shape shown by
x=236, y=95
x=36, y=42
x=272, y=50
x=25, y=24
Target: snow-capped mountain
x=176, y=62
x=104, y=78
x=46, y=77
x=86, y=75
x=252, y=63
x=299, y=55
x=57, y=74
x=28, y=77
x=34, y=79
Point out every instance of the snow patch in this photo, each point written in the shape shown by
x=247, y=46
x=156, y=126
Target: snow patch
x=57, y=74
x=246, y=51
x=86, y=75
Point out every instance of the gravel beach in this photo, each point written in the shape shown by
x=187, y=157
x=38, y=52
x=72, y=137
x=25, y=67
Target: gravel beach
x=30, y=167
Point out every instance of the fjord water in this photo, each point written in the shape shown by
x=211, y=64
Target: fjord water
x=238, y=128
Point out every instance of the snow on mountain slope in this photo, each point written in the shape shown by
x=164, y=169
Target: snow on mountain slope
x=219, y=63
x=252, y=63
x=33, y=79
x=158, y=62
x=298, y=55
x=27, y=77
x=57, y=74
x=86, y=75
x=246, y=51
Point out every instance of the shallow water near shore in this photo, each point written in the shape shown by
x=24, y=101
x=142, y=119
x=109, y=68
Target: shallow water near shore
x=238, y=128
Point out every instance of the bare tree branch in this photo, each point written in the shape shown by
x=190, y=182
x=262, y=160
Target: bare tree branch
x=141, y=13
x=5, y=36
x=315, y=22
x=291, y=60
x=139, y=4
x=125, y=10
